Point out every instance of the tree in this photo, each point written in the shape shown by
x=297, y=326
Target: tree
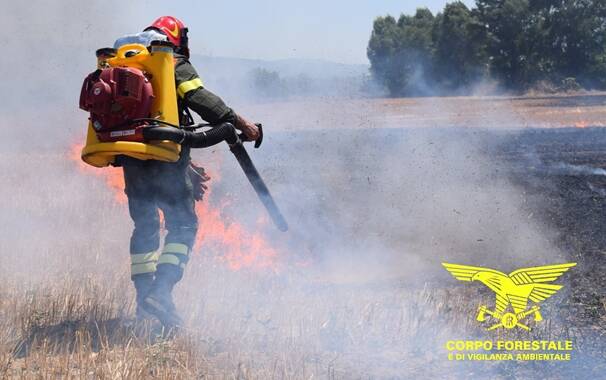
x=531, y=40
x=415, y=53
x=576, y=40
x=383, y=46
x=511, y=40
x=401, y=51
x=460, y=45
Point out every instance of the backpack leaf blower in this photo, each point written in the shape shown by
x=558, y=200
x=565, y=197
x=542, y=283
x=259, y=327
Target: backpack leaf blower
x=132, y=102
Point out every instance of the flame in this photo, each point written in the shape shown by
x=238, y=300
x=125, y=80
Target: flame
x=113, y=176
x=242, y=248
x=581, y=124
x=231, y=243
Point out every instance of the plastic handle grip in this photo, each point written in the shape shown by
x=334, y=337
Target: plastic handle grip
x=142, y=50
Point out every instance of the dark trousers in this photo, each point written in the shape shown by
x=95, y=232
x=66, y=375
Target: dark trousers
x=152, y=186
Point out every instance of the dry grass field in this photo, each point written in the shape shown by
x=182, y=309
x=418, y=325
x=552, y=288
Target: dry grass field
x=258, y=305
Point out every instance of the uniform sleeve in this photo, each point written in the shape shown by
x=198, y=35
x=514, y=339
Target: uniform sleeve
x=190, y=88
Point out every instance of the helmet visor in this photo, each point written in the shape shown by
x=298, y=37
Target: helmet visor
x=144, y=38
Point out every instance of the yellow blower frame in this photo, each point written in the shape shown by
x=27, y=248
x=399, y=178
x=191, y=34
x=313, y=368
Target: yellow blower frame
x=160, y=64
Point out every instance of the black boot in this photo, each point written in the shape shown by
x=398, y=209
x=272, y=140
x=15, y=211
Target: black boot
x=143, y=285
x=159, y=302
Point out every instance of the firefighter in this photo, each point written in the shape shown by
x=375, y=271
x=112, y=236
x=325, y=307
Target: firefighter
x=170, y=187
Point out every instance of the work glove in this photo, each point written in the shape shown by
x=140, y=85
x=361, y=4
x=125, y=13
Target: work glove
x=198, y=176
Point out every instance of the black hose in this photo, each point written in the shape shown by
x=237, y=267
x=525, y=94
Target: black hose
x=164, y=133
x=203, y=139
x=224, y=132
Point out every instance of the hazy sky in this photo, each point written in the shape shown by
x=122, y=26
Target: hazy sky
x=336, y=30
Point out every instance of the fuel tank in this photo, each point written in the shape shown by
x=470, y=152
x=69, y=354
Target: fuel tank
x=158, y=65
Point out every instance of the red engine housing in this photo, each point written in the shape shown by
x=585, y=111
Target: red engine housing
x=114, y=96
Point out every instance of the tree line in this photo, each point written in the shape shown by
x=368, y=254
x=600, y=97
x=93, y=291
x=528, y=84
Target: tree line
x=518, y=43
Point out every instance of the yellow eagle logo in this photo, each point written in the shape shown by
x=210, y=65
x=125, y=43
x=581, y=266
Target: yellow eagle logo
x=514, y=289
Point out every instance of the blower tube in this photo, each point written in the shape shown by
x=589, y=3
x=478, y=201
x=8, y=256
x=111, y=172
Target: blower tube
x=203, y=139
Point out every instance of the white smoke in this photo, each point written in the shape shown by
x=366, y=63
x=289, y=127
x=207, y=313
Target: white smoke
x=563, y=168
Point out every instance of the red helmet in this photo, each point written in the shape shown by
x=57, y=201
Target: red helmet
x=173, y=28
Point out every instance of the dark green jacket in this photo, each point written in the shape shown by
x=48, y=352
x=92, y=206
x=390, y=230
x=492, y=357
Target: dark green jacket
x=193, y=95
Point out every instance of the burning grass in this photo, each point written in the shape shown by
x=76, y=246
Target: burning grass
x=239, y=247
x=66, y=303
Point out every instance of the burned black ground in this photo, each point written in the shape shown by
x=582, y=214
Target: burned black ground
x=561, y=171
